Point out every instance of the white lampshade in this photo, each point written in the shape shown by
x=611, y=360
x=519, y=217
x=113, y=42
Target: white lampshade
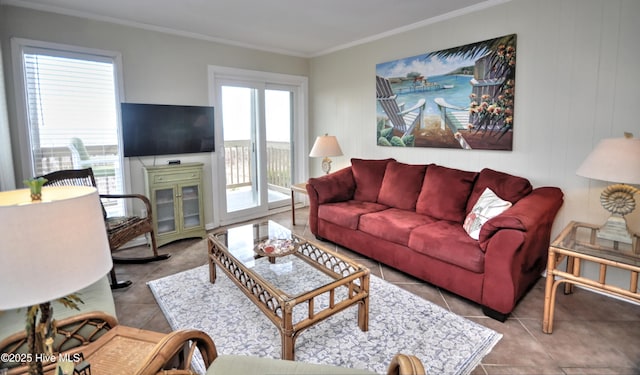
x=51, y=248
x=325, y=145
x=614, y=160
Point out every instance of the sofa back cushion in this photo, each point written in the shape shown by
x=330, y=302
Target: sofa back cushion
x=401, y=185
x=508, y=187
x=445, y=192
x=368, y=175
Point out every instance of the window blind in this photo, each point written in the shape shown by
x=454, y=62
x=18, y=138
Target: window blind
x=73, y=116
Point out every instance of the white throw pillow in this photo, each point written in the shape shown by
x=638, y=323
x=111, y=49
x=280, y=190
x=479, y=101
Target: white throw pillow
x=488, y=205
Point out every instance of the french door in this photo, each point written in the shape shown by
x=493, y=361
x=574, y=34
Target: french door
x=256, y=157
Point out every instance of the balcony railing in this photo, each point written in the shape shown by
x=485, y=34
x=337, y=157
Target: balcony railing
x=237, y=159
x=50, y=159
x=238, y=164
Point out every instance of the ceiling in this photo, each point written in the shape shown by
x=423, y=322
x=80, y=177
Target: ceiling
x=295, y=27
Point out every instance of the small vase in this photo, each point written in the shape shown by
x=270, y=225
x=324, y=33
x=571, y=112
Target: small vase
x=35, y=185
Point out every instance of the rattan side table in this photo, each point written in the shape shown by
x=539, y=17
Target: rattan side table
x=579, y=243
x=296, y=188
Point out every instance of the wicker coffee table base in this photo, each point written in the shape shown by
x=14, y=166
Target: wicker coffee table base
x=279, y=308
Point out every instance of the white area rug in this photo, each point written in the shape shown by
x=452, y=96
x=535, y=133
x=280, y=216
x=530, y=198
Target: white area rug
x=399, y=321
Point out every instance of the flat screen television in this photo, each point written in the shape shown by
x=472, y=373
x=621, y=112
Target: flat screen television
x=158, y=129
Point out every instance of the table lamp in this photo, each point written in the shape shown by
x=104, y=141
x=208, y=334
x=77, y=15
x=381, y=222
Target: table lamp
x=615, y=160
x=50, y=248
x=325, y=146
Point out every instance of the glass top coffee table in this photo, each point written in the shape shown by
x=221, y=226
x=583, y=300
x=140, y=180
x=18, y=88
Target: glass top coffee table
x=294, y=290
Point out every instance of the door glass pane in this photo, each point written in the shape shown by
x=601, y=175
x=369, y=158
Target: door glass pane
x=72, y=116
x=278, y=114
x=239, y=124
x=190, y=207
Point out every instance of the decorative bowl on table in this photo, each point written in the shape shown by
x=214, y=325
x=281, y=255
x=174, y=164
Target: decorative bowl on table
x=276, y=247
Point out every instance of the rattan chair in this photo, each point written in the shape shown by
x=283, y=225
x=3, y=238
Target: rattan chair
x=120, y=230
x=108, y=347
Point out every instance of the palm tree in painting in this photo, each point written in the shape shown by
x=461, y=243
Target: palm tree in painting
x=502, y=50
x=492, y=96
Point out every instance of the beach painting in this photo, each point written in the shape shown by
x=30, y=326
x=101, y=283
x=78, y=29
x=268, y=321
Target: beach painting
x=461, y=97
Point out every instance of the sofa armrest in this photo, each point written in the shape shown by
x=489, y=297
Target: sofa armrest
x=533, y=213
x=335, y=187
x=516, y=243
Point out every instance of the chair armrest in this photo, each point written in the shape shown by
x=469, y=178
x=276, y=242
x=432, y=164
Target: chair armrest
x=182, y=345
x=140, y=197
x=420, y=104
x=403, y=364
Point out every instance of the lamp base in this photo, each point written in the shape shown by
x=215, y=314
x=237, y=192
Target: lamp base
x=618, y=200
x=615, y=229
x=326, y=165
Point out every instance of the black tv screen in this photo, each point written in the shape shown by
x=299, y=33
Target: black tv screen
x=157, y=129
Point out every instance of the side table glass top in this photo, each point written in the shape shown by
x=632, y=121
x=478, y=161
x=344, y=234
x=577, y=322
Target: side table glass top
x=582, y=238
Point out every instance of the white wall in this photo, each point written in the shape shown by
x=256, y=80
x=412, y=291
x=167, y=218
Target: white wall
x=576, y=78
x=157, y=68
x=576, y=83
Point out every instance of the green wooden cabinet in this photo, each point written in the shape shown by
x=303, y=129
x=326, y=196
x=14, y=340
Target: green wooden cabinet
x=176, y=200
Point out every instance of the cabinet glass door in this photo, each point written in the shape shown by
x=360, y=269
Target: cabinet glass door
x=190, y=206
x=165, y=210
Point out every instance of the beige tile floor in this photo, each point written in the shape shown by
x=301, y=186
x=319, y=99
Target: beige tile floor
x=593, y=334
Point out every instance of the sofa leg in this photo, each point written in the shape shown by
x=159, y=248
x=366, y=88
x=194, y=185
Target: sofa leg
x=320, y=238
x=493, y=314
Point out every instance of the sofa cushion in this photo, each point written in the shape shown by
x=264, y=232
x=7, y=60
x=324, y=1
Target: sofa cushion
x=347, y=214
x=506, y=186
x=445, y=192
x=368, y=175
x=488, y=206
x=448, y=242
x=392, y=224
x=401, y=185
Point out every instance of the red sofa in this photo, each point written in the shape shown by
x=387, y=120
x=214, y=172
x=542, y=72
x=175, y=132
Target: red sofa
x=411, y=217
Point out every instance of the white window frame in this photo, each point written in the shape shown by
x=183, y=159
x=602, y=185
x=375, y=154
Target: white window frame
x=18, y=46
